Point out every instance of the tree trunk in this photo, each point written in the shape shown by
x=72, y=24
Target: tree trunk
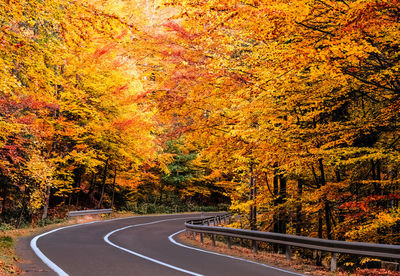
x=4, y=202
x=326, y=202
x=282, y=199
x=92, y=190
x=320, y=222
x=113, y=189
x=327, y=220
x=78, y=172
x=318, y=256
x=46, y=204
x=275, y=222
x=253, y=215
x=275, y=191
x=376, y=175
x=339, y=179
x=103, y=184
x=299, y=207
x=23, y=207
x=161, y=191
x=255, y=206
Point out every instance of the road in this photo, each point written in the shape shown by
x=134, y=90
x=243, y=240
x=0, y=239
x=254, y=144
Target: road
x=141, y=245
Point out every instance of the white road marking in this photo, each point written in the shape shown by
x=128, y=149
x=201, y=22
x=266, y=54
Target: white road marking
x=43, y=257
x=51, y=264
x=171, y=238
x=146, y=257
x=61, y=272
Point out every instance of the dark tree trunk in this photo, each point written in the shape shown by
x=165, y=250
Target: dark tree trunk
x=327, y=220
x=113, y=187
x=92, y=190
x=299, y=207
x=275, y=191
x=161, y=192
x=78, y=172
x=21, y=214
x=4, y=195
x=282, y=199
x=4, y=186
x=339, y=179
x=252, y=195
x=275, y=222
x=318, y=258
x=326, y=201
x=103, y=184
x=376, y=175
x=46, y=204
x=255, y=206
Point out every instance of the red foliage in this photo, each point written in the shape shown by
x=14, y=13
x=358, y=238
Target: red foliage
x=125, y=124
x=19, y=45
x=102, y=51
x=178, y=29
x=26, y=120
x=12, y=153
x=118, y=90
x=122, y=34
x=375, y=272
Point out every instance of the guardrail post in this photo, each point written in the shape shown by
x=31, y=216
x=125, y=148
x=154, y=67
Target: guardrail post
x=284, y=242
x=254, y=242
x=288, y=252
x=334, y=261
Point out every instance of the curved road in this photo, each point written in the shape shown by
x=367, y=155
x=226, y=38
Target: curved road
x=142, y=245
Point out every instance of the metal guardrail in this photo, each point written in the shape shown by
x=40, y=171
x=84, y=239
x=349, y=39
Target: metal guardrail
x=89, y=212
x=333, y=246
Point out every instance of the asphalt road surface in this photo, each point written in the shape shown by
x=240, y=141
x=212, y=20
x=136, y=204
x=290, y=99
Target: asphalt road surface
x=141, y=245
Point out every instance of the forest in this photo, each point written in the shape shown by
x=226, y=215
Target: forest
x=285, y=112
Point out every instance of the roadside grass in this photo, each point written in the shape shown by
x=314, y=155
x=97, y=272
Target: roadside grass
x=7, y=256
x=296, y=264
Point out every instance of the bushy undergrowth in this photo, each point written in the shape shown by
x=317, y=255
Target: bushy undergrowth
x=6, y=242
x=152, y=208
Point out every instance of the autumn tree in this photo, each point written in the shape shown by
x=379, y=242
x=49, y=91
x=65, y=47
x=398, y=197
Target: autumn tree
x=70, y=109
x=300, y=94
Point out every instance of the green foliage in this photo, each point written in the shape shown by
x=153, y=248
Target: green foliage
x=49, y=221
x=6, y=242
x=6, y=227
x=180, y=171
x=151, y=208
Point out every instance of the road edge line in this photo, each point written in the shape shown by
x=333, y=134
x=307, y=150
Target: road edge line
x=143, y=256
x=171, y=239
x=52, y=265
x=43, y=257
